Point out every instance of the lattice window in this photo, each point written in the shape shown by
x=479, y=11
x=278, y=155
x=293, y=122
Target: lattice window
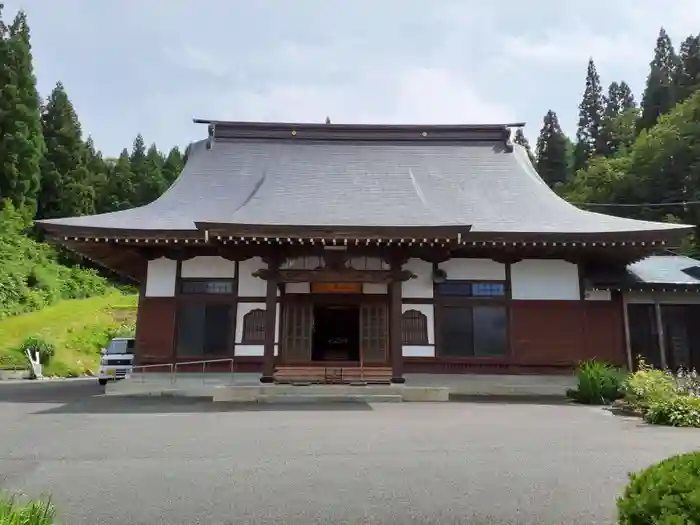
x=374, y=333
x=414, y=328
x=207, y=286
x=254, y=326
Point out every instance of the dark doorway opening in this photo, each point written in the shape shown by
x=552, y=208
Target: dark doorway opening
x=336, y=335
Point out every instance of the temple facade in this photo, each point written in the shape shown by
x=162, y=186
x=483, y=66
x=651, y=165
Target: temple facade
x=385, y=249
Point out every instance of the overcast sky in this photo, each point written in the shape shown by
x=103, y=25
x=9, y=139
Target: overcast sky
x=150, y=66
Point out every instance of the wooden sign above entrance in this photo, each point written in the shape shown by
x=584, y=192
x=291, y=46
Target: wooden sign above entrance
x=320, y=287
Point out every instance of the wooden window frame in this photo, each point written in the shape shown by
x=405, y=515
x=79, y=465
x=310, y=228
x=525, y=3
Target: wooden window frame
x=182, y=282
x=469, y=301
x=414, y=335
x=254, y=335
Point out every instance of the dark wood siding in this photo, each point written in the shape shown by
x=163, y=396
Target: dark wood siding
x=155, y=337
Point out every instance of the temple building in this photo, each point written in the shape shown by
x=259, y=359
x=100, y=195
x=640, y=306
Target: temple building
x=389, y=249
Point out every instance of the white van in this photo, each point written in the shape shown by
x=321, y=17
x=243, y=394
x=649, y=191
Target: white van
x=117, y=359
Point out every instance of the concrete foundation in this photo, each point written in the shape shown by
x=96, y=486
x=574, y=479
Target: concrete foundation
x=246, y=388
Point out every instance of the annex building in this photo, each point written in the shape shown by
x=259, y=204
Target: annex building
x=389, y=248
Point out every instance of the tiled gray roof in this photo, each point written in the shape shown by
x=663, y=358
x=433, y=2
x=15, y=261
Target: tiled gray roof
x=352, y=183
x=653, y=272
x=666, y=269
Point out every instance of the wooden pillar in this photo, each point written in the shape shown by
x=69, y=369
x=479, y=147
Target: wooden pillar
x=628, y=340
x=270, y=323
x=660, y=332
x=395, y=347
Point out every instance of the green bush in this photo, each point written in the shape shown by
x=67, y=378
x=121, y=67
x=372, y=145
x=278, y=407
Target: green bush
x=667, y=493
x=598, y=383
x=688, y=382
x=676, y=411
x=34, y=512
x=37, y=343
x=647, y=386
x=32, y=275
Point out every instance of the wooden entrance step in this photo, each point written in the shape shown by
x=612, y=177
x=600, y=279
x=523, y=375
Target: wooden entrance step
x=332, y=375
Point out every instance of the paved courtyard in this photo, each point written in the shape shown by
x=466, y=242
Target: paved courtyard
x=177, y=461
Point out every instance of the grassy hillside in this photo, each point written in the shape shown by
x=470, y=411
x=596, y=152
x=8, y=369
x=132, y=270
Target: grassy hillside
x=31, y=273
x=78, y=328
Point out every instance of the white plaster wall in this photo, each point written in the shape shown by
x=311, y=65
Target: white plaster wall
x=663, y=297
x=161, y=276
x=474, y=269
x=374, y=288
x=244, y=308
x=297, y=288
x=428, y=311
x=598, y=295
x=422, y=285
x=418, y=351
x=251, y=350
x=248, y=285
x=545, y=279
x=209, y=268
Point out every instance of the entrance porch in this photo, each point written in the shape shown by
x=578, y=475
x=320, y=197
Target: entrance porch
x=246, y=387
x=335, y=333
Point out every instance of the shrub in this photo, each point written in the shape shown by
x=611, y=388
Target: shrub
x=598, y=383
x=667, y=493
x=34, y=512
x=688, y=382
x=676, y=411
x=647, y=386
x=44, y=347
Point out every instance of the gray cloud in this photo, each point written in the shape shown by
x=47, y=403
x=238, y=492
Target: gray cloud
x=150, y=66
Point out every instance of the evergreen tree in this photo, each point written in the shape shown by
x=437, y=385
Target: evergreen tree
x=626, y=97
x=552, y=154
x=21, y=140
x=521, y=139
x=173, y=166
x=65, y=185
x=97, y=172
x=138, y=155
x=687, y=75
x=619, y=117
x=121, y=186
x=153, y=183
x=588, y=137
x=659, y=96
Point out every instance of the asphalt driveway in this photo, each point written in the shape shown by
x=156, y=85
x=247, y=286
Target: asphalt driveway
x=150, y=461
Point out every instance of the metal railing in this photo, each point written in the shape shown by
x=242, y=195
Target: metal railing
x=172, y=369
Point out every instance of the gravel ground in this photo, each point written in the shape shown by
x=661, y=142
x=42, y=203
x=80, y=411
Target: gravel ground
x=175, y=461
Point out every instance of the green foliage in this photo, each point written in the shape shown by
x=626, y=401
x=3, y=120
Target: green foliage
x=598, y=383
x=667, y=493
x=659, y=94
x=39, y=344
x=30, y=274
x=65, y=185
x=13, y=511
x=676, y=411
x=687, y=74
x=589, y=140
x=78, y=328
x=21, y=140
x=688, y=382
x=552, y=151
x=648, y=386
